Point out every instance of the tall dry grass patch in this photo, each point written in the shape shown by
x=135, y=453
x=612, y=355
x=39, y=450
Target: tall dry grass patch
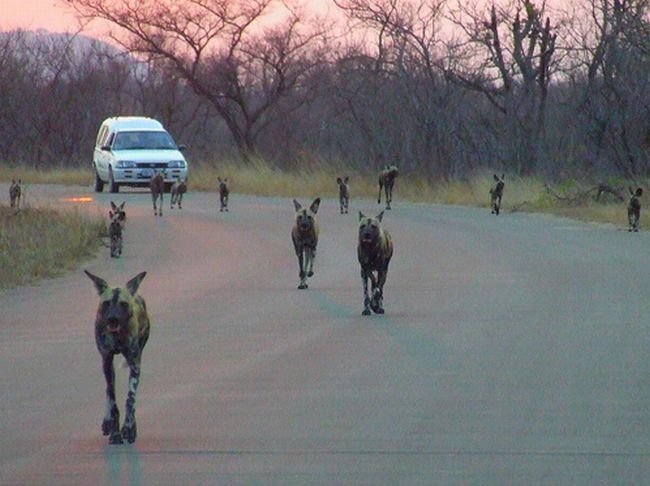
x=41, y=243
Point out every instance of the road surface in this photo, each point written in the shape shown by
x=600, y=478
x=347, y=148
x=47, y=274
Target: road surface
x=514, y=350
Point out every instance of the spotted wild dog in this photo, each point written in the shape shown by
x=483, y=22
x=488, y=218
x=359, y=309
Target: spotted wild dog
x=117, y=219
x=634, y=209
x=178, y=189
x=224, y=193
x=496, y=193
x=344, y=193
x=121, y=327
x=387, y=181
x=157, y=186
x=375, y=249
x=304, y=235
x=15, y=192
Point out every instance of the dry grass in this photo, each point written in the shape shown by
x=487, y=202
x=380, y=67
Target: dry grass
x=42, y=243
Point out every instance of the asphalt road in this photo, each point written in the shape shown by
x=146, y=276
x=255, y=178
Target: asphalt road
x=514, y=350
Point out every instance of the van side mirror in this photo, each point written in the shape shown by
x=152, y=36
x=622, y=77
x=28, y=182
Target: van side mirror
x=181, y=147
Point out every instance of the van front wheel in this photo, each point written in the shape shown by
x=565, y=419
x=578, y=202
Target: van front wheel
x=114, y=186
x=99, y=184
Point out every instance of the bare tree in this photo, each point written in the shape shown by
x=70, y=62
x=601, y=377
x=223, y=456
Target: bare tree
x=611, y=76
x=217, y=48
x=508, y=53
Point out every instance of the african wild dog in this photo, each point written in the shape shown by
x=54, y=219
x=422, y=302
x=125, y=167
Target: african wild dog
x=178, y=189
x=496, y=193
x=157, y=186
x=304, y=235
x=15, y=192
x=121, y=327
x=375, y=249
x=344, y=193
x=634, y=209
x=117, y=219
x=224, y=193
x=387, y=181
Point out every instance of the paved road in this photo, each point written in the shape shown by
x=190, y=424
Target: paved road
x=514, y=350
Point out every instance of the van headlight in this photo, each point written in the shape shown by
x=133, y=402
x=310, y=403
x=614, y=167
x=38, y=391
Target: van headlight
x=176, y=164
x=125, y=164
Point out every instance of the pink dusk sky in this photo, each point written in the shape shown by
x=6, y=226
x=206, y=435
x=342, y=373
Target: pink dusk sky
x=55, y=16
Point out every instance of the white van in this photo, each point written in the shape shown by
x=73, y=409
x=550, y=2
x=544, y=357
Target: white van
x=129, y=150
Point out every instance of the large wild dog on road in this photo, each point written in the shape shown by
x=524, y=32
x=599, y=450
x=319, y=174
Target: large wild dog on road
x=344, y=193
x=15, y=192
x=121, y=327
x=224, y=193
x=375, y=249
x=496, y=193
x=117, y=219
x=634, y=209
x=178, y=189
x=304, y=235
x=157, y=186
x=387, y=181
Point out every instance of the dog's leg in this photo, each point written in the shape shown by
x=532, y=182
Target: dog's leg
x=130, y=430
x=302, y=274
x=311, y=256
x=111, y=423
x=378, y=295
x=366, y=297
x=379, y=195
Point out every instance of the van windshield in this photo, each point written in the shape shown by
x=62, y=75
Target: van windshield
x=143, y=140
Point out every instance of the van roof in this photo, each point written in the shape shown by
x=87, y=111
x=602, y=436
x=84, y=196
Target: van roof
x=132, y=123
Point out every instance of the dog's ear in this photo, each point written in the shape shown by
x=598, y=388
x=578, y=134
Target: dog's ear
x=133, y=284
x=496, y=177
x=380, y=216
x=122, y=205
x=314, y=206
x=346, y=179
x=100, y=283
x=219, y=178
x=110, y=215
x=297, y=205
x=361, y=215
x=338, y=180
x=113, y=206
x=639, y=192
x=503, y=177
x=629, y=188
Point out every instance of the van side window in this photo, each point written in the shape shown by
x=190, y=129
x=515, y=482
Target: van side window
x=101, y=136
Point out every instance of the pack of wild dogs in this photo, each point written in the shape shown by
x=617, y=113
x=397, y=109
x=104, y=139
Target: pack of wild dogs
x=122, y=324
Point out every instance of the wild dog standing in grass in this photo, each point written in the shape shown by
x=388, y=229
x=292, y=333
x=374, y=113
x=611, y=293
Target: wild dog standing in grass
x=15, y=191
x=496, y=193
x=117, y=219
x=387, y=181
x=178, y=189
x=305, y=239
x=344, y=193
x=121, y=327
x=375, y=249
x=157, y=186
x=224, y=193
x=634, y=209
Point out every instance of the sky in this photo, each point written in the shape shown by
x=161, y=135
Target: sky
x=55, y=16
x=51, y=15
